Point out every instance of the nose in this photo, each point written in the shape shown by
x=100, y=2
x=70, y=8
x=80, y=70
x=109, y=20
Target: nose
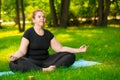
x=42, y=18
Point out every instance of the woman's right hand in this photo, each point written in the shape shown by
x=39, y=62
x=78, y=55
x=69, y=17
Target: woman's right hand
x=13, y=58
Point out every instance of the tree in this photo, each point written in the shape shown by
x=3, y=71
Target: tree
x=115, y=9
x=103, y=11
x=23, y=15
x=18, y=15
x=63, y=13
x=0, y=14
x=53, y=13
x=21, y=29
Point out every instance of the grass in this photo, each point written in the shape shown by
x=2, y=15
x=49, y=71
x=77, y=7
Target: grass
x=104, y=47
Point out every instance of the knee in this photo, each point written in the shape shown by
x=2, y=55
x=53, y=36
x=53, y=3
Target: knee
x=13, y=66
x=69, y=59
x=70, y=56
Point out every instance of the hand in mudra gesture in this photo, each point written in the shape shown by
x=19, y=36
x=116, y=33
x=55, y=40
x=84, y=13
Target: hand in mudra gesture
x=83, y=48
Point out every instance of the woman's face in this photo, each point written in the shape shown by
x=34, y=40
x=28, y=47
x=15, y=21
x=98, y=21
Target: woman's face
x=39, y=18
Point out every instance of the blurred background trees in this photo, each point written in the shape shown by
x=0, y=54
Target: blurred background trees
x=61, y=13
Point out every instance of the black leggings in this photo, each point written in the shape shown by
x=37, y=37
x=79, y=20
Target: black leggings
x=24, y=64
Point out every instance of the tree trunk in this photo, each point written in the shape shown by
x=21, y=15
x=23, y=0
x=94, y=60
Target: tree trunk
x=18, y=15
x=0, y=14
x=106, y=12
x=23, y=16
x=53, y=13
x=64, y=12
x=104, y=7
x=21, y=2
x=100, y=12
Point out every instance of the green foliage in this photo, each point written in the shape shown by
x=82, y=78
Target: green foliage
x=78, y=9
x=83, y=8
x=104, y=47
x=115, y=7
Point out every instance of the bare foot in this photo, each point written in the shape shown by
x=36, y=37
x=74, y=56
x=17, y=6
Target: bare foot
x=50, y=68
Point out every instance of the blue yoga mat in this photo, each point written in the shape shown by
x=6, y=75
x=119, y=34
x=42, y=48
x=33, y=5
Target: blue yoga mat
x=83, y=63
x=76, y=64
x=6, y=73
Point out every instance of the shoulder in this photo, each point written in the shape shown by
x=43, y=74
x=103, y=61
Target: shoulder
x=28, y=32
x=49, y=34
x=47, y=31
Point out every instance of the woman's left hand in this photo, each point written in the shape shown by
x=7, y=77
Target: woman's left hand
x=83, y=48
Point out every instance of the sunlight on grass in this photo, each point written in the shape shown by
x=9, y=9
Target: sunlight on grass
x=10, y=33
x=64, y=37
x=115, y=26
x=84, y=32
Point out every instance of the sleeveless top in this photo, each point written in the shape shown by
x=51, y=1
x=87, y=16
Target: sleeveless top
x=38, y=45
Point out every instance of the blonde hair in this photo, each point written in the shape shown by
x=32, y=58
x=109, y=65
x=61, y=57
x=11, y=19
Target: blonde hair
x=34, y=13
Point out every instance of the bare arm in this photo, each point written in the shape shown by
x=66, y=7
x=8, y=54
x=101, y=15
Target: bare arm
x=22, y=50
x=57, y=47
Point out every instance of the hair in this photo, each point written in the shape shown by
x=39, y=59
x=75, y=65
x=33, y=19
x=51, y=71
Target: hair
x=34, y=13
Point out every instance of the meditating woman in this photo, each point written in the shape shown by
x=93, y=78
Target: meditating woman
x=33, y=52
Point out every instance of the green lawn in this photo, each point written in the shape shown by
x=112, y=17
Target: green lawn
x=104, y=47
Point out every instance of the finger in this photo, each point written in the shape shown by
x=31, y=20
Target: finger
x=13, y=58
x=87, y=46
x=83, y=46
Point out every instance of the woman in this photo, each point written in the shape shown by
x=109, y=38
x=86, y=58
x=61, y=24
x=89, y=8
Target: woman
x=33, y=52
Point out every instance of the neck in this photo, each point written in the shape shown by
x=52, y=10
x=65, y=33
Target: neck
x=38, y=27
x=39, y=30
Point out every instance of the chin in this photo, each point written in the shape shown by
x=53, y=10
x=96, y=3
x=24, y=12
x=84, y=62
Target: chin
x=41, y=24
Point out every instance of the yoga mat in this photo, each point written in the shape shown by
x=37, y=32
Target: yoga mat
x=83, y=63
x=76, y=64
x=6, y=73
